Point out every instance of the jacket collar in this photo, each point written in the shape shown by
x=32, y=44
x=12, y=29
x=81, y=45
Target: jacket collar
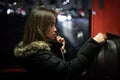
x=55, y=44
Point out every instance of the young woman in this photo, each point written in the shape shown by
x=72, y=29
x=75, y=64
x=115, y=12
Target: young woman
x=40, y=51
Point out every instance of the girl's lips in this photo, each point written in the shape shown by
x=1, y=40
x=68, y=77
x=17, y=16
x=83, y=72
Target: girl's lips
x=54, y=35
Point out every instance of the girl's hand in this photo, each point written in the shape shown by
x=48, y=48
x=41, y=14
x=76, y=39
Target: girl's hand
x=62, y=41
x=100, y=38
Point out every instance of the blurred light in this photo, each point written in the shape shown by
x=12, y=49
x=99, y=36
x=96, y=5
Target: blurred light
x=61, y=17
x=82, y=13
x=94, y=12
x=68, y=1
x=64, y=17
x=15, y=3
x=23, y=12
x=69, y=17
x=64, y=3
x=10, y=11
x=80, y=35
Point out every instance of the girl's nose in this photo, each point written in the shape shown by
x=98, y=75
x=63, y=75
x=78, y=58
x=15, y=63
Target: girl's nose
x=55, y=29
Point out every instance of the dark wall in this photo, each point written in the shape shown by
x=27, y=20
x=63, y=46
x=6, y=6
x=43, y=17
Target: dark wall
x=12, y=26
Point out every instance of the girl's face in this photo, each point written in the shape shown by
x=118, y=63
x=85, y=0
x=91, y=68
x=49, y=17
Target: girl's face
x=52, y=31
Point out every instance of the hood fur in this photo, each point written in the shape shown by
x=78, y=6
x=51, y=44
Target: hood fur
x=32, y=48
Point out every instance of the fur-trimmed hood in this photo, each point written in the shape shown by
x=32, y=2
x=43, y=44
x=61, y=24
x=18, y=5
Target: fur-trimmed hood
x=32, y=48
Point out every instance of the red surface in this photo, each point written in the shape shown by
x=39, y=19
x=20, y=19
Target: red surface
x=107, y=19
x=6, y=70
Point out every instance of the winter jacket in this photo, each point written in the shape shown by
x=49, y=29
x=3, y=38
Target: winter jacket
x=45, y=62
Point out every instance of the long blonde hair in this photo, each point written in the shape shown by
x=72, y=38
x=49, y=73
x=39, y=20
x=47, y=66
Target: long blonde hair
x=37, y=24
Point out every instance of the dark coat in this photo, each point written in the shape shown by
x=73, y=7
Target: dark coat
x=45, y=62
x=106, y=65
